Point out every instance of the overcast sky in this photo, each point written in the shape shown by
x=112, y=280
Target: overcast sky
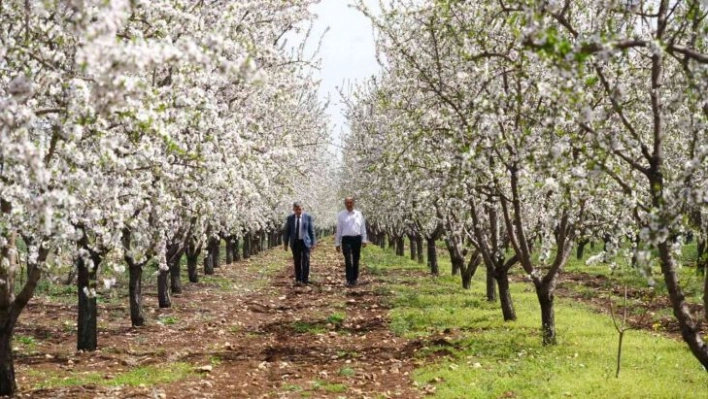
x=347, y=51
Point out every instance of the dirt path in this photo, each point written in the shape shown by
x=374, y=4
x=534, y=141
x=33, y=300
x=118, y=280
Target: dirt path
x=248, y=333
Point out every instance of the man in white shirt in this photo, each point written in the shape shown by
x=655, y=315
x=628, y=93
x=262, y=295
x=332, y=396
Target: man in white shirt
x=350, y=238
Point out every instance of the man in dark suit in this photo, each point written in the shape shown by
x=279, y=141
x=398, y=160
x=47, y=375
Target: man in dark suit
x=300, y=235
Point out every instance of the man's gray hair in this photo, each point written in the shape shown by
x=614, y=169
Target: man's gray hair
x=297, y=204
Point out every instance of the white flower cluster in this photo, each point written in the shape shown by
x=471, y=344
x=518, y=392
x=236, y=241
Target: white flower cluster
x=153, y=115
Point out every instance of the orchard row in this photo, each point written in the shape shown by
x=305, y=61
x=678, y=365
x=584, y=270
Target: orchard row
x=518, y=130
x=137, y=130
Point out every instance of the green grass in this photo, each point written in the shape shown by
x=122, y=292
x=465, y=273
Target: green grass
x=68, y=326
x=25, y=340
x=292, y=388
x=148, y=376
x=222, y=283
x=347, y=372
x=486, y=357
x=29, y=344
x=168, y=320
x=328, y=387
x=303, y=327
x=58, y=292
x=336, y=318
x=334, y=388
x=347, y=353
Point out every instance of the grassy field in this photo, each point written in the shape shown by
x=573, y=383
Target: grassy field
x=473, y=353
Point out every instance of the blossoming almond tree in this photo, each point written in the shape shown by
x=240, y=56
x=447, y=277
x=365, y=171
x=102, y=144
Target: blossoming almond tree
x=647, y=115
x=521, y=179
x=588, y=118
x=128, y=126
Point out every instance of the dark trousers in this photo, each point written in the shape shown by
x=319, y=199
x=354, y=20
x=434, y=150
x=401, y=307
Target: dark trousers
x=301, y=256
x=351, y=248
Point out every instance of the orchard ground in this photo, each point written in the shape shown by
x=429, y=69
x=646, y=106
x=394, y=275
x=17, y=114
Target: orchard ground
x=246, y=332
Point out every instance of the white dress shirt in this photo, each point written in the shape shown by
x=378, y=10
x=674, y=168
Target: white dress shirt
x=300, y=233
x=350, y=224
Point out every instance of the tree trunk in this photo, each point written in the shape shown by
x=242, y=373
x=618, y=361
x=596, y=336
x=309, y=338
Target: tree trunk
x=29, y=271
x=458, y=262
x=175, y=278
x=229, y=250
x=216, y=252
x=175, y=270
x=87, y=335
x=193, y=250
x=8, y=385
x=163, y=293
x=419, y=248
x=466, y=281
x=606, y=238
x=690, y=331
x=469, y=271
x=705, y=299
x=253, y=244
x=636, y=240
x=12, y=308
x=548, y=318
x=135, y=280
x=507, y=305
x=581, y=248
x=135, y=292
x=246, y=246
x=235, y=248
x=701, y=258
x=192, y=263
x=413, y=247
x=400, y=250
x=491, y=286
x=173, y=256
x=391, y=241
x=454, y=262
x=208, y=263
x=432, y=257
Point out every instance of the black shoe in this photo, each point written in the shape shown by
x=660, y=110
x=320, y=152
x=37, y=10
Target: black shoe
x=298, y=283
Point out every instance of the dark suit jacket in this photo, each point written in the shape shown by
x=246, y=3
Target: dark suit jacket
x=308, y=230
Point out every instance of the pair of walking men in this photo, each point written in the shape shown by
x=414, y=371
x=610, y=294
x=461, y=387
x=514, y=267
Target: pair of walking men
x=350, y=238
